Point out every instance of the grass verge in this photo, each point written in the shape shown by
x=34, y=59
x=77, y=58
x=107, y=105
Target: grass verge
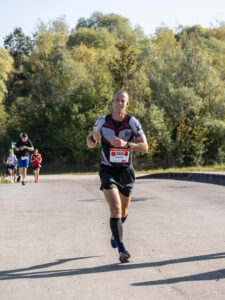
x=214, y=168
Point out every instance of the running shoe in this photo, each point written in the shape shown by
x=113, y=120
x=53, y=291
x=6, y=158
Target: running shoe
x=113, y=242
x=23, y=183
x=124, y=255
x=18, y=179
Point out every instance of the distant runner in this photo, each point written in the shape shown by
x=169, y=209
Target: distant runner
x=36, y=160
x=117, y=132
x=23, y=146
x=11, y=165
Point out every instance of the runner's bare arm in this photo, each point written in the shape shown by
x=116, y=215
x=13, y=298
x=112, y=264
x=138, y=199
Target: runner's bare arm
x=93, y=138
x=28, y=148
x=140, y=144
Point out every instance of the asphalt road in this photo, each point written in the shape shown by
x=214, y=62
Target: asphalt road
x=54, y=241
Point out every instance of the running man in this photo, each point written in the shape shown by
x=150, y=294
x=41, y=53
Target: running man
x=11, y=165
x=23, y=146
x=117, y=132
x=36, y=160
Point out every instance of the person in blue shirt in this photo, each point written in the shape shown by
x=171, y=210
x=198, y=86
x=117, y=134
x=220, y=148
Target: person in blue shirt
x=11, y=166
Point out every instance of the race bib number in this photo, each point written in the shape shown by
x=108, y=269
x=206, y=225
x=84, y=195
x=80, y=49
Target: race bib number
x=118, y=155
x=23, y=157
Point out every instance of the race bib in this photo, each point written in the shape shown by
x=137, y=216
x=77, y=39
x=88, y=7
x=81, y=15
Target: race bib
x=23, y=157
x=118, y=155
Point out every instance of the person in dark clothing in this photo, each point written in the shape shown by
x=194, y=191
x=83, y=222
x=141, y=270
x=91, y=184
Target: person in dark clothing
x=23, y=146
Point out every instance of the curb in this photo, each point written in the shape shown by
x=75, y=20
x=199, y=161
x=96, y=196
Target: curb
x=198, y=177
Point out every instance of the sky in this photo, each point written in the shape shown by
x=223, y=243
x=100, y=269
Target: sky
x=149, y=14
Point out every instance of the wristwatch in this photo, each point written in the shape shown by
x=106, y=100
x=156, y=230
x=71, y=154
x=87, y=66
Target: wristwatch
x=92, y=139
x=128, y=145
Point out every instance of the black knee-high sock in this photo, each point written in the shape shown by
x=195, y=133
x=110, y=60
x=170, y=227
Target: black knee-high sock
x=123, y=219
x=117, y=230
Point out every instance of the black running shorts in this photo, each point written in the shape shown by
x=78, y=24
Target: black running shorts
x=11, y=167
x=35, y=168
x=122, y=178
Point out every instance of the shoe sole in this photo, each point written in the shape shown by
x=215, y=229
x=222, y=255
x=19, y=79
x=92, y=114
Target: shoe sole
x=124, y=257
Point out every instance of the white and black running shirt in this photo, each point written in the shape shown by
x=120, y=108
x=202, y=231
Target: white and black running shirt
x=128, y=129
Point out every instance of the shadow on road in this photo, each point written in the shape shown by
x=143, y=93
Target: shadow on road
x=213, y=275
x=29, y=274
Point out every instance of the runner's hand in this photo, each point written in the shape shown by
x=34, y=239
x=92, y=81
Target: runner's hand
x=96, y=135
x=117, y=142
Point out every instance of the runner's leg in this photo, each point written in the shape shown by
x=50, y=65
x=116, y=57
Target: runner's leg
x=34, y=172
x=38, y=170
x=10, y=175
x=20, y=173
x=125, y=202
x=19, y=166
x=13, y=175
x=113, y=198
x=24, y=172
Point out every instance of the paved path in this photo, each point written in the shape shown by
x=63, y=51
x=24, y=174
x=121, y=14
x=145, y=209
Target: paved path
x=54, y=241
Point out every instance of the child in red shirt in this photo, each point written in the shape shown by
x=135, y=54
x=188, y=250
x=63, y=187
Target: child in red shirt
x=36, y=160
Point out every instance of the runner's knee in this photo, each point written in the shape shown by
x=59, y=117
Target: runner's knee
x=116, y=211
x=124, y=212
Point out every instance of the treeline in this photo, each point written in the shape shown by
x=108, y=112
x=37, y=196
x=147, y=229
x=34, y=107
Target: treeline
x=55, y=84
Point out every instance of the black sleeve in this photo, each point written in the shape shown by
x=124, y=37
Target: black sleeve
x=18, y=144
x=30, y=143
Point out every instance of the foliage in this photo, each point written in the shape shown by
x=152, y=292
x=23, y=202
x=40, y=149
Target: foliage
x=119, y=26
x=96, y=38
x=5, y=67
x=55, y=84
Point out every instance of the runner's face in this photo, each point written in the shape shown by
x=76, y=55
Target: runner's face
x=24, y=139
x=120, y=103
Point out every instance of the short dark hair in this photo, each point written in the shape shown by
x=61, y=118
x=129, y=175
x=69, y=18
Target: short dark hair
x=120, y=92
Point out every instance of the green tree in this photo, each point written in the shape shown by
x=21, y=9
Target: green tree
x=19, y=46
x=96, y=38
x=119, y=26
x=5, y=67
x=6, y=64
x=124, y=65
x=176, y=84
